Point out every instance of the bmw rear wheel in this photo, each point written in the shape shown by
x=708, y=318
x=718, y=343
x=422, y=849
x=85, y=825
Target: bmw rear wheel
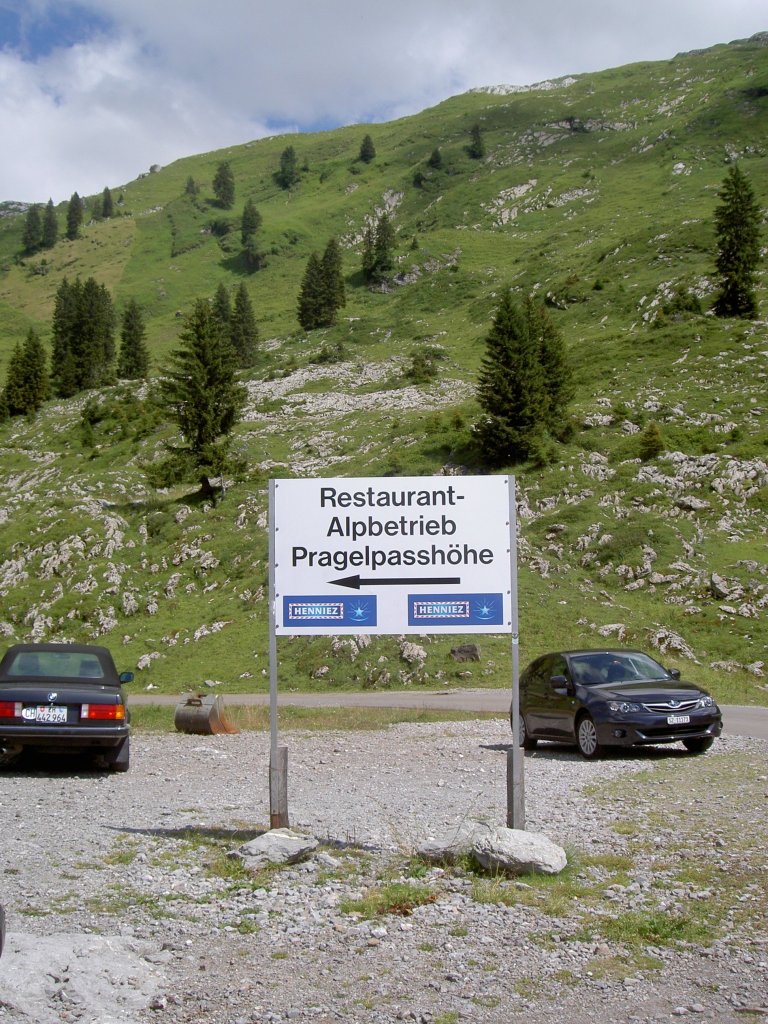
x=586, y=738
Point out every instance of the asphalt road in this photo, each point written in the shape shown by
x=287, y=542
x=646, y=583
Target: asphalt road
x=737, y=720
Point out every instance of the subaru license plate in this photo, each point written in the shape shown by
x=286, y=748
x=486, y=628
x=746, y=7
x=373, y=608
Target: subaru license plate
x=678, y=719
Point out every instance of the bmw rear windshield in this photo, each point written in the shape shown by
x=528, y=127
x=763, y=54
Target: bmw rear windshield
x=61, y=664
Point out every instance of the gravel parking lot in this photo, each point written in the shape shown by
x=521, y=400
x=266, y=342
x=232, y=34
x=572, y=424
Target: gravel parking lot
x=124, y=907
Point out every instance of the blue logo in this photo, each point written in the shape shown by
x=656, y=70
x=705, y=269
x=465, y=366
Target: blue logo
x=329, y=611
x=455, y=610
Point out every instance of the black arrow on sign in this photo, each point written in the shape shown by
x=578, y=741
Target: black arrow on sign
x=355, y=582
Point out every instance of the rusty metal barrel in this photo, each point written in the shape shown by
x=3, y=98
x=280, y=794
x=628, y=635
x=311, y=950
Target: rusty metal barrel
x=203, y=714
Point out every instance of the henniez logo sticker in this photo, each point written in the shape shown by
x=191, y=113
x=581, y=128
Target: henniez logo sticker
x=455, y=610
x=329, y=611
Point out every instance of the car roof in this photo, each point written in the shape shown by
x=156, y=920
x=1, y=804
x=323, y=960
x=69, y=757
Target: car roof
x=598, y=650
x=69, y=648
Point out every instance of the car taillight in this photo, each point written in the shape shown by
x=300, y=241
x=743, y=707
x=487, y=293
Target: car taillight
x=10, y=709
x=108, y=711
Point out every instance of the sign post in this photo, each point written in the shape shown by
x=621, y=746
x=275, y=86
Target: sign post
x=393, y=555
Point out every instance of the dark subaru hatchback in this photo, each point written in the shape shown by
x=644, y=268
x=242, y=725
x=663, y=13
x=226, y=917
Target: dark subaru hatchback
x=613, y=698
x=64, y=698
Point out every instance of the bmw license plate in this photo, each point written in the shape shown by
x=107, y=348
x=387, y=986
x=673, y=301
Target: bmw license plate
x=678, y=719
x=54, y=714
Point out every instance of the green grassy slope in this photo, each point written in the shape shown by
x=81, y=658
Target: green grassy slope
x=597, y=191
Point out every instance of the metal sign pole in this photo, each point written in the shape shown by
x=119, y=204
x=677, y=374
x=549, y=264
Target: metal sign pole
x=278, y=756
x=515, y=758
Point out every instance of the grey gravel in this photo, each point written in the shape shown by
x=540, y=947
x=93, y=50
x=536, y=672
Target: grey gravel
x=116, y=915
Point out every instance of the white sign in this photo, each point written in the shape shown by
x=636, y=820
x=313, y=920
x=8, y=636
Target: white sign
x=392, y=555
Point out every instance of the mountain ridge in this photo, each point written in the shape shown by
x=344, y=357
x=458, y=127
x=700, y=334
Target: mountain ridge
x=611, y=226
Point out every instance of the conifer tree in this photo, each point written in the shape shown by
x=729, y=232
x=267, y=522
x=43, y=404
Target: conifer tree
x=651, y=441
x=224, y=185
x=95, y=345
x=251, y=222
x=367, y=150
x=435, y=159
x=558, y=376
x=334, y=293
x=511, y=388
x=204, y=397
x=737, y=226
x=83, y=329
x=133, y=361
x=476, y=147
x=74, y=216
x=33, y=230
x=288, y=175
x=243, y=332
x=15, y=392
x=50, y=226
x=27, y=385
x=311, y=295
x=36, y=368
x=222, y=306
x=367, y=260
x=383, y=249
x=107, y=204
x=191, y=188
x=378, y=249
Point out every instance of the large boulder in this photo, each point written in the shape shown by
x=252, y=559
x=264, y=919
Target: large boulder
x=512, y=851
x=508, y=851
x=278, y=846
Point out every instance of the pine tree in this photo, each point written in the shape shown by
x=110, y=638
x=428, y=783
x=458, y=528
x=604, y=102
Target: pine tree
x=476, y=147
x=64, y=327
x=15, y=391
x=737, y=226
x=203, y=395
x=243, y=332
x=224, y=186
x=383, y=248
x=511, y=388
x=107, y=205
x=251, y=222
x=651, y=441
x=27, y=385
x=133, y=361
x=33, y=230
x=558, y=376
x=94, y=347
x=36, y=368
x=334, y=293
x=74, y=217
x=436, y=159
x=378, y=249
x=368, y=256
x=222, y=306
x=311, y=295
x=50, y=226
x=191, y=188
x=83, y=328
x=288, y=175
x=367, y=150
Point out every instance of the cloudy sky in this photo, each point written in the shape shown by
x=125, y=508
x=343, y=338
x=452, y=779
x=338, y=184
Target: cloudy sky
x=94, y=92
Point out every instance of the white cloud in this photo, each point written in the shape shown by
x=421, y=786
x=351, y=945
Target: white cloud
x=169, y=78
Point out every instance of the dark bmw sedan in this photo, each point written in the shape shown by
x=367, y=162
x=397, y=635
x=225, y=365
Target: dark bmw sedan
x=613, y=698
x=64, y=699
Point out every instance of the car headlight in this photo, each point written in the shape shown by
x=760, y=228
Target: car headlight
x=623, y=706
x=705, y=702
